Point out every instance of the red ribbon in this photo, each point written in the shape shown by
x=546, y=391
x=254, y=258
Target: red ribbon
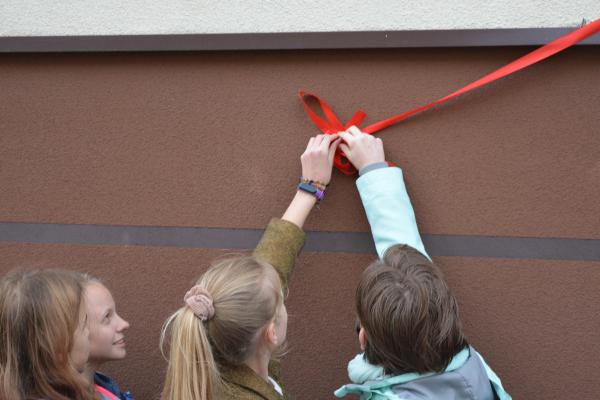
x=332, y=124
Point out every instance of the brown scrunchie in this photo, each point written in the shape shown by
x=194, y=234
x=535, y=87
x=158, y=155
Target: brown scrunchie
x=201, y=302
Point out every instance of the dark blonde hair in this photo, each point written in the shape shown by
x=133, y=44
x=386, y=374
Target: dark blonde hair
x=246, y=294
x=409, y=314
x=39, y=313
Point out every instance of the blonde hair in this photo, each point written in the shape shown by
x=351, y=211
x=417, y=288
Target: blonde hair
x=39, y=313
x=246, y=295
x=86, y=279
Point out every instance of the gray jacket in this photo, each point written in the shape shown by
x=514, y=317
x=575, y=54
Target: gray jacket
x=466, y=378
x=467, y=382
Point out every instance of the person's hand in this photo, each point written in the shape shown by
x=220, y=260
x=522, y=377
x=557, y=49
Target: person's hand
x=317, y=159
x=360, y=148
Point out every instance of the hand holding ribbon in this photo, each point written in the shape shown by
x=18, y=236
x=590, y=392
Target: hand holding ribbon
x=362, y=149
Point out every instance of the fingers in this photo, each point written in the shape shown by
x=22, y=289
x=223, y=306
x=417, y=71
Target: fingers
x=314, y=143
x=347, y=137
x=330, y=139
x=354, y=131
x=360, y=148
x=379, y=143
x=352, y=134
x=344, y=147
x=323, y=144
x=318, y=140
x=333, y=148
x=317, y=160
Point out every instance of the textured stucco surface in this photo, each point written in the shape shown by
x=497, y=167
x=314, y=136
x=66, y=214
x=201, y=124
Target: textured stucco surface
x=113, y=17
x=214, y=140
x=536, y=322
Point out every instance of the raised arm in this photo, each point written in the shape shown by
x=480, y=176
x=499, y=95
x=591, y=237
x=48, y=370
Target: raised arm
x=283, y=239
x=382, y=192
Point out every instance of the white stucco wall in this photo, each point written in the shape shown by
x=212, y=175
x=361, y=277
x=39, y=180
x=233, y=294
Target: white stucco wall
x=126, y=17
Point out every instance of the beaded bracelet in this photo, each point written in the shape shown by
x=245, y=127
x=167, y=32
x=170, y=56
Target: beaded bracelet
x=315, y=183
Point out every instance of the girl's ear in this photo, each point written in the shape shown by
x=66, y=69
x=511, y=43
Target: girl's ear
x=362, y=338
x=270, y=334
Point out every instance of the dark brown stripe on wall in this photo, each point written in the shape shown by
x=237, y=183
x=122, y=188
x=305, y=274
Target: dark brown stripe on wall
x=332, y=242
x=288, y=41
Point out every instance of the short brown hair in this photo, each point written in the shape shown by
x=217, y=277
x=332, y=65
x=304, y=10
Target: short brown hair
x=409, y=314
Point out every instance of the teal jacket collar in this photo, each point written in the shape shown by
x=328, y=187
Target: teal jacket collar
x=370, y=383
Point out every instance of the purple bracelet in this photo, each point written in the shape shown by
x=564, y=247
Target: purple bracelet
x=315, y=191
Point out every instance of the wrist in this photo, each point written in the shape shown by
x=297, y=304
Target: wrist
x=372, y=166
x=299, y=208
x=305, y=197
x=311, y=190
x=367, y=162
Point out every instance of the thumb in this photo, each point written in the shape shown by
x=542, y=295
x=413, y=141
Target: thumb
x=333, y=148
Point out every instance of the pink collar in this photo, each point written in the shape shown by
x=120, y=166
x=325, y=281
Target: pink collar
x=105, y=393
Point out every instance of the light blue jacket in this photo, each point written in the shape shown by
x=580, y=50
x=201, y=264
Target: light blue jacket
x=393, y=221
x=388, y=210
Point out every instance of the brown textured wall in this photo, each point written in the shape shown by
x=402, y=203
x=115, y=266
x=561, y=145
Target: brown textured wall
x=145, y=139
x=173, y=139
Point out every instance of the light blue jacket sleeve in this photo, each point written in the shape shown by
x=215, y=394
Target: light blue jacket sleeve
x=388, y=209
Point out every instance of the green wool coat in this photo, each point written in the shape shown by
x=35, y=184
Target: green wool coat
x=279, y=246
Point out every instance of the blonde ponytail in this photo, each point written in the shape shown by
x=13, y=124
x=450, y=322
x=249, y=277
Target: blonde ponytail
x=245, y=294
x=192, y=373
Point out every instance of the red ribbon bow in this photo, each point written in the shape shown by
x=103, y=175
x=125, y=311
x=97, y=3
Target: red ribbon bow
x=332, y=124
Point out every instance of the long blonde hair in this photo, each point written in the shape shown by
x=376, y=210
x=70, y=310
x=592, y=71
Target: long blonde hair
x=246, y=295
x=39, y=313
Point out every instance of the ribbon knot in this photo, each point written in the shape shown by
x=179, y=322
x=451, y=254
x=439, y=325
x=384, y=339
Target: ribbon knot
x=332, y=124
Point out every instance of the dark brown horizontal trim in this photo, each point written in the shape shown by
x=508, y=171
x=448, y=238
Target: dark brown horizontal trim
x=287, y=41
x=333, y=242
